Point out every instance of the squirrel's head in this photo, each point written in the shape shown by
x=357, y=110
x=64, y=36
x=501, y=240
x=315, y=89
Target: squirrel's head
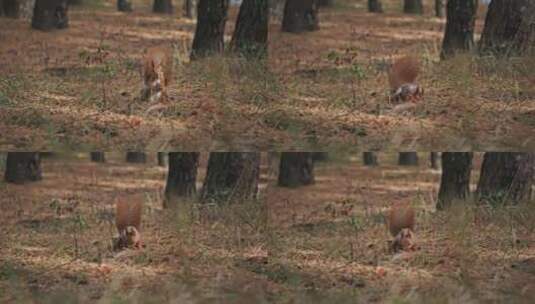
x=408, y=92
x=130, y=237
x=405, y=240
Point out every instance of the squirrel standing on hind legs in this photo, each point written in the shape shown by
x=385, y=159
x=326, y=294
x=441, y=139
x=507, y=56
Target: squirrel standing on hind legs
x=401, y=225
x=402, y=79
x=128, y=222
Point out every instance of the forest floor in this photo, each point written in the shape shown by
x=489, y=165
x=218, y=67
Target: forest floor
x=324, y=243
x=80, y=87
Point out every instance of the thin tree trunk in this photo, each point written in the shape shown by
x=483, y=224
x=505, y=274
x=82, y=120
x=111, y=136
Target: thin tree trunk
x=210, y=30
x=50, y=14
x=509, y=28
x=296, y=169
x=300, y=16
x=375, y=6
x=161, y=159
x=124, y=5
x=413, y=7
x=408, y=159
x=98, y=157
x=190, y=8
x=455, y=181
x=136, y=157
x=182, y=176
x=10, y=8
x=440, y=6
x=163, y=6
x=433, y=159
x=22, y=167
x=231, y=176
x=460, y=27
x=320, y=156
x=506, y=176
x=251, y=32
x=369, y=159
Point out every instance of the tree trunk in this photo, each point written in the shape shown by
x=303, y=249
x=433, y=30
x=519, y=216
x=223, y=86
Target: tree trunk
x=506, y=176
x=190, y=8
x=161, y=159
x=50, y=14
x=124, y=5
x=408, y=159
x=210, y=31
x=251, y=32
x=300, y=16
x=98, y=157
x=369, y=159
x=433, y=159
x=10, y=8
x=375, y=6
x=22, y=167
x=325, y=3
x=460, y=26
x=413, y=7
x=136, y=157
x=163, y=6
x=440, y=11
x=296, y=169
x=320, y=156
x=231, y=176
x=509, y=28
x=455, y=180
x=182, y=175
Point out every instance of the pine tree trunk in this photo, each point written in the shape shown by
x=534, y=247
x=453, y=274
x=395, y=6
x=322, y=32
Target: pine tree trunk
x=161, y=159
x=182, y=176
x=509, y=28
x=50, y=14
x=10, y=8
x=136, y=157
x=300, y=16
x=296, y=169
x=98, y=157
x=251, y=32
x=320, y=156
x=455, y=181
x=413, y=7
x=22, y=167
x=163, y=6
x=375, y=6
x=440, y=11
x=506, y=176
x=124, y=5
x=460, y=27
x=408, y=159
x=190, y=8
x=231, y=177
x=369, y=159
x=210, y=30
x=433, y=160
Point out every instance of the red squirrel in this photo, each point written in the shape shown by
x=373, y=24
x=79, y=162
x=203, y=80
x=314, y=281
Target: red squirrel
x=402, y=79
x=157, y=72
x=401, y=221
x=128, y=222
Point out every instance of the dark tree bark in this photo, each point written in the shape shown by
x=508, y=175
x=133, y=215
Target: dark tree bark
x=325, y=3
x=210, y=30
x=408, y=159
x=163, y=6
x=433, y=160
x=50, y=14
x=251, y=32
x=22, y=167
x=455, y=181
x=98, y=157
x=300, y=16
x=182, y=175
x=75, y=2
x=375, y=6
x=231, y=176
x=161, y=159
x=509, y=28
x=124, y=5
x=413, y=7
x=136, y=157
x=320, y=156
x=440, y=8
x=190, y=8
x=506, y=176
x=10, y=8
x=369, y=159
x=296, y=169
x=460, y=26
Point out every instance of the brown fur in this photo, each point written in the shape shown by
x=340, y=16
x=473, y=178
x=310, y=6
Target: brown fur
x=401, y=219
x=128, y=221
x=157, y=64
x=402, y=79
x=404, y=241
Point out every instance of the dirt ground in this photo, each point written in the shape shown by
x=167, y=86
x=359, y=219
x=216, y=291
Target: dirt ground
x=326, y=242
x=79, y=88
